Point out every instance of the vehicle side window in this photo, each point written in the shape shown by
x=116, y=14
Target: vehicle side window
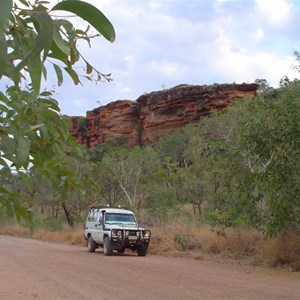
x=92, y=217
x=100, y=218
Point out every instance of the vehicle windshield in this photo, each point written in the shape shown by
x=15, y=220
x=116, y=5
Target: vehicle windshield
x=117, y=218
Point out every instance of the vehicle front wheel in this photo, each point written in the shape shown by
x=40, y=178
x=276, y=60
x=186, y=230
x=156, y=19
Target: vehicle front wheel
x=142, y=250
x=91, y=244
x=107, y=251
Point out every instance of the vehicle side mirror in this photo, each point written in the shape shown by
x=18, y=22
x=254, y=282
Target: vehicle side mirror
x=99, y=223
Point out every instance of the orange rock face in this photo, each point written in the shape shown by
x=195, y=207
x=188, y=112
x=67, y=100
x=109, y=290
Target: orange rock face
x=155, y=114
x=117, y=120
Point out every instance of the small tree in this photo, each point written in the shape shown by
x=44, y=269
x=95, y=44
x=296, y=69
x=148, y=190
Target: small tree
x=131, y=169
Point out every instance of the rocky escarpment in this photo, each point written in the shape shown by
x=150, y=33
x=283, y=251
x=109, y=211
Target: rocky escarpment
x=155, y=114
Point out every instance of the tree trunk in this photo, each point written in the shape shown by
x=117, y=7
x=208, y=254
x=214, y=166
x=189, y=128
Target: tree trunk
x=42, y=207
x=68, y=214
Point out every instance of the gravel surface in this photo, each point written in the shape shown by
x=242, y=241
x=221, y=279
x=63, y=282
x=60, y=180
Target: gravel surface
x=31, y=269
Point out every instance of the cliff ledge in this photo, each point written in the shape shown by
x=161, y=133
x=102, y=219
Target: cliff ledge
x=155, y=114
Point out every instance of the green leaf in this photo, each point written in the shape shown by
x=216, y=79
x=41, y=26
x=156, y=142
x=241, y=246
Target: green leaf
x=59, y=74
x=59, y=41
x=74, y=55
x=8, y=146
x=23, y=150
x=90, y=14
x=44, y=72
x=27, y=181
x=69, y=29
x=51, y=103
x=63, y=129
x=35, y=127
x=46, y=94
x=73, y=75
x=44, y=38
x=64, y=191
x=3, y=108
x=35, y=71
x=89, y=68
x=88, y=78
x=4, y=99
x=18, y=210
x=7, y=204
x=58, y=54
x=3, y=54
x=24, y=2
x=6, y=7
x=5, y=10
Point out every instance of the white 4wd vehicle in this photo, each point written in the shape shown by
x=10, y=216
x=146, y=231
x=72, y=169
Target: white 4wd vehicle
x=115, y=229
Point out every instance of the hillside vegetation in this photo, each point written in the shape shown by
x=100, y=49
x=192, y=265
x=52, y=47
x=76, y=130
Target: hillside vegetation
x=228, y=185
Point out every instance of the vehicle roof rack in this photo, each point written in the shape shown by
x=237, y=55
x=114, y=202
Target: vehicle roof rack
x=97, y=208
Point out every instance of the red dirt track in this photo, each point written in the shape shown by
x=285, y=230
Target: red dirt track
x=31, y=269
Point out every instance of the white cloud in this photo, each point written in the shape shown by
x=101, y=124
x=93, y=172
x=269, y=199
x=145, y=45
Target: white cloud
x=239, y=65
x=275, y=11
x=165, y=43
x=259, y=34
x=155, y=5
x=168, y=69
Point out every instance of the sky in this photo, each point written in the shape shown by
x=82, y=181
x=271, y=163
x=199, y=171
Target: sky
x=160, y=44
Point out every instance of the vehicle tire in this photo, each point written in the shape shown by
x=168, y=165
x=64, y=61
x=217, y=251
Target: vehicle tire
x=142, y=250
x=121, y=251
x=107, y=251
x=91, y=244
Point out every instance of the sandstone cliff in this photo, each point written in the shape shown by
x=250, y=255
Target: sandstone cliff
x=155, y=114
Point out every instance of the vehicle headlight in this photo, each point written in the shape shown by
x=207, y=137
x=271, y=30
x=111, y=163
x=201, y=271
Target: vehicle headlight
x=126, y=233
x=116, y=233
x=138, y=233
x=147, y=234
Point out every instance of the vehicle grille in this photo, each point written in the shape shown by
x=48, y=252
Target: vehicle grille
x=132, y=232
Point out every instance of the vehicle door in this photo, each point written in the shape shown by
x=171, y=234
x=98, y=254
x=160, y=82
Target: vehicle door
x=90, y=224
x=98, y=228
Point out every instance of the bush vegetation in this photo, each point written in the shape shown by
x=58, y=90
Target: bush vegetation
x=229, y=185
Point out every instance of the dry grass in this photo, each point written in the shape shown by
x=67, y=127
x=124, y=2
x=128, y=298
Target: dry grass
x=14, y=230
x=283, y=250
x=66, y=235
x=204, y=240
x=197, y=242
x=242, y=246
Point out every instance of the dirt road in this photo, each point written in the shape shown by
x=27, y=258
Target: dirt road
x=32, y=269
